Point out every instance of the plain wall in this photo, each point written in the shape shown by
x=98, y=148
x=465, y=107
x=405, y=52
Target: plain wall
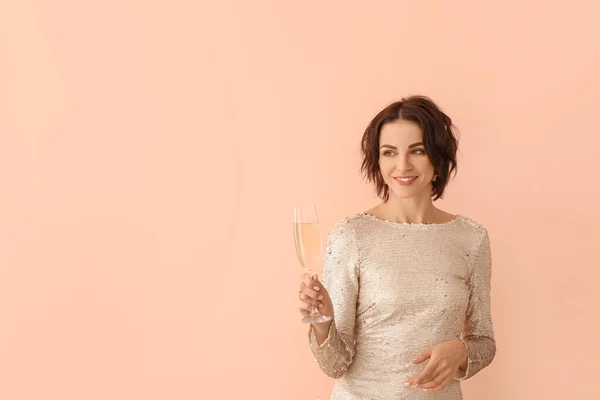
x=151, y=153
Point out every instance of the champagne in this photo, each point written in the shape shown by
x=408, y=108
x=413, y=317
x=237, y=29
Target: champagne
x=307, y=237
x=308, y=244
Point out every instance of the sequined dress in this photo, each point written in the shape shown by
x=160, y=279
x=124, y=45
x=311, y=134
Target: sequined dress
x=398, y=288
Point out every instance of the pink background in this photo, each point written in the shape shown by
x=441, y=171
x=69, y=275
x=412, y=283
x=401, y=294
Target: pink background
x=151, y=153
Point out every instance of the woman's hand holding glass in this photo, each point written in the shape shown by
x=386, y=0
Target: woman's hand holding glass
x=311, y=291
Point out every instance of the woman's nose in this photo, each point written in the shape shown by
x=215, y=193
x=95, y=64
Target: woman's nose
x=403, y=164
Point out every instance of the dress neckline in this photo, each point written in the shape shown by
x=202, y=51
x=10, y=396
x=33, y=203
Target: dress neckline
x=415, y=224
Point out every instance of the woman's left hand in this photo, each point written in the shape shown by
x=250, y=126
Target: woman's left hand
x=444, y=360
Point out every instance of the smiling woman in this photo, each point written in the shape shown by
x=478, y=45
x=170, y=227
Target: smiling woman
x=414, y=117
x=407, y=285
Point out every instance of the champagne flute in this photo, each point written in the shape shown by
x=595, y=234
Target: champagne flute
x=307, y=237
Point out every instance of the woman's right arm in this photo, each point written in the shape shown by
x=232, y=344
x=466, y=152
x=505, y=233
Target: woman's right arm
x=335, y=352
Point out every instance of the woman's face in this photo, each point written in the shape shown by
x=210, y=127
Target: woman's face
x=402, y=155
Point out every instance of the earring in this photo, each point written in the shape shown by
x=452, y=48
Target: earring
x=434, y=178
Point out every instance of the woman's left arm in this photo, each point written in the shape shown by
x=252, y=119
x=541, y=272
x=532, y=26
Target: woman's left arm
x=478, y=332
x=460, y=359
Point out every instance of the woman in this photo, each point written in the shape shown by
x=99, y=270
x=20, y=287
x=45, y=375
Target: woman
x=407, y=284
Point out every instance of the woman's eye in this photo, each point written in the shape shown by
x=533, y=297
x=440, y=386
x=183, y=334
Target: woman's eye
x=416, y=151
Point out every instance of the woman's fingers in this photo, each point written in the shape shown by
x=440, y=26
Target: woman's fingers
x=305, y=313
x=438, y=378
x=444, y=382
x=311, y=288
x=311, y=292
x=304, y=305
x=431, y=370
x=309, y=299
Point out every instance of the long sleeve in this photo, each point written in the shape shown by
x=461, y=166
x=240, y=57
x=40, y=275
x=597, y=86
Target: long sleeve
x=341, y=279
x=478, y=333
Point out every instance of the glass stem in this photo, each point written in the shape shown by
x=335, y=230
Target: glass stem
x=314, y=312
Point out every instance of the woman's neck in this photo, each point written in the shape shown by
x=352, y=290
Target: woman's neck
x=407, y=211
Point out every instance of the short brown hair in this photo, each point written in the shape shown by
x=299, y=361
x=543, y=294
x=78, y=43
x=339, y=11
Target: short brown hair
x=439, y=137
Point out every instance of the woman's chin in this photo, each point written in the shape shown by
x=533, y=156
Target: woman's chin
x=407, y=193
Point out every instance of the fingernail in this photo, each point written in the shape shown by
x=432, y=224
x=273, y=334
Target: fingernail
x=317, y=288
x=315, y=277
x=320, y=305
x=426, y=390
x=320, y=297
x=407, y=384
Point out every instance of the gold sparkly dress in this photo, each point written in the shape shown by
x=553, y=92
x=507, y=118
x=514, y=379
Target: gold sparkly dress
x=398, y=288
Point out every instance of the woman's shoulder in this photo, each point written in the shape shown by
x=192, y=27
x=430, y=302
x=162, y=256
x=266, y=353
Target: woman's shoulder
x=472, y=229
x=346, y=227
x=345, y=223
x=471, y=222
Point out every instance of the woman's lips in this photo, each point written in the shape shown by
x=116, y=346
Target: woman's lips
x=405, y=181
